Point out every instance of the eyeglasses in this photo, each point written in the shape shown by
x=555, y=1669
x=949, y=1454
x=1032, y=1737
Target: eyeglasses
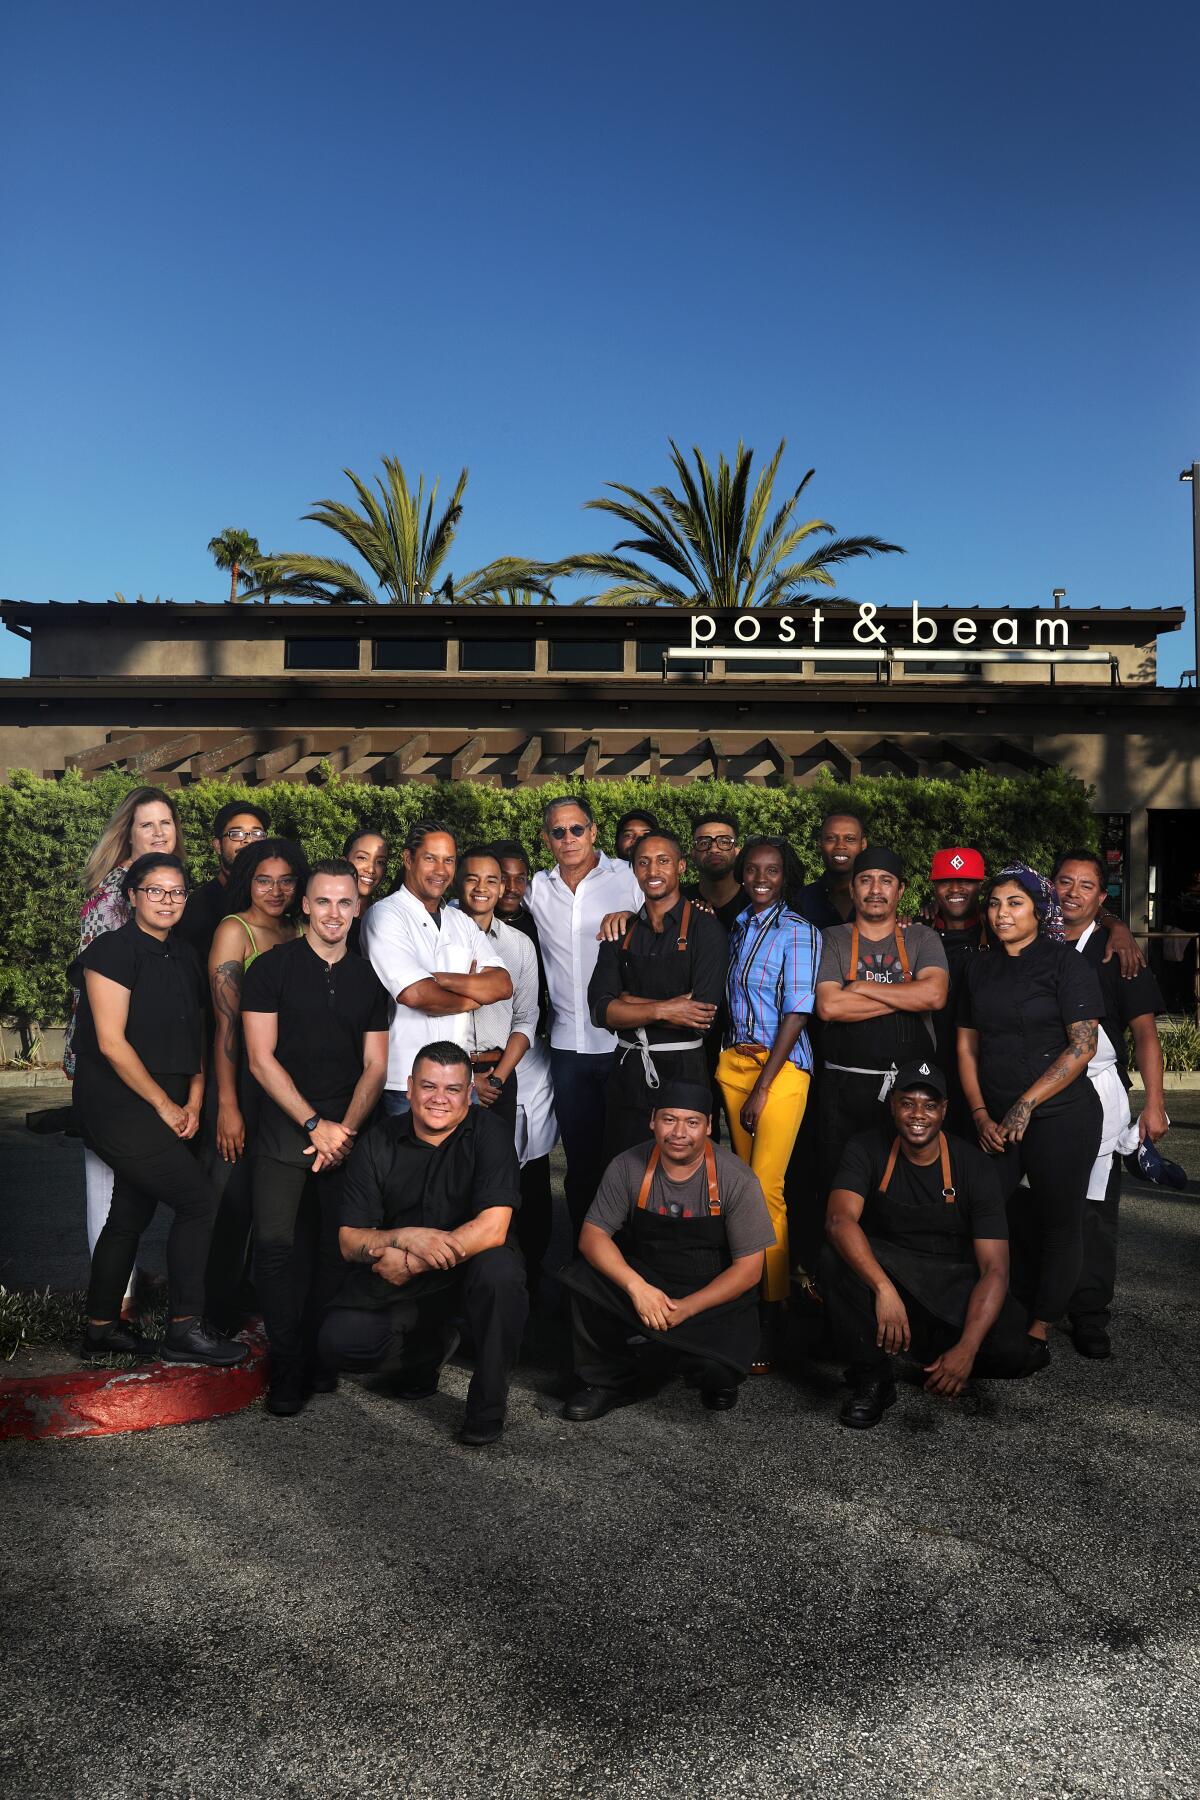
x=714, y=843
x=559, y=832
x=157, y=893
x=238, y=836
x=285, y=883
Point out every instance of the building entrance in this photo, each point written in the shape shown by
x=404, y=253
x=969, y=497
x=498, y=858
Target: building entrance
x=1174, y=889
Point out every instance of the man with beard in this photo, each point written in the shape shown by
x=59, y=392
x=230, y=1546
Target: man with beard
x=828, y=901
x=917, y=1259
x=878, y=984
x=716, y=841
x=239, y=823
x=630, y=827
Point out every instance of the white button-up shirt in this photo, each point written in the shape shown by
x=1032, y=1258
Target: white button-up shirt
x=491, y=1027
x=404, y=943
x=567, y=925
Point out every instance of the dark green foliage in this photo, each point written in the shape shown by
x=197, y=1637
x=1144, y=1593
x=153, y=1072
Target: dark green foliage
x=47, y=829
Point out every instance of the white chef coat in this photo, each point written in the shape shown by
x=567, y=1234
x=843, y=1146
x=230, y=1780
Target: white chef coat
x=1118, y=1134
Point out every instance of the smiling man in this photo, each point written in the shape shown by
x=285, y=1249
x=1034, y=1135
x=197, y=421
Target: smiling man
x=828, y=900
x=917, y=1258
x=670, y=1257
x=426, y=1209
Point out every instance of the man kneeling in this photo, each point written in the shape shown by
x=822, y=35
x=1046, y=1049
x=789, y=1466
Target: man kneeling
x=428, y=1199
x=917, y=1258
x=671, y=1255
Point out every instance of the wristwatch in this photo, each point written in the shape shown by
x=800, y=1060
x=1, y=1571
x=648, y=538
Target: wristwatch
x=311, y=1124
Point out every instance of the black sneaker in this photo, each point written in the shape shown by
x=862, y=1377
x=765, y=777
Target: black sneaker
x=120, y=1338
x=867, y=1404
x=719, y=1399
x=195, y=1341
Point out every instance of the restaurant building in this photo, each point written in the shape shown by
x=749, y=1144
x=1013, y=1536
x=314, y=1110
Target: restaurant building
x=525, y=695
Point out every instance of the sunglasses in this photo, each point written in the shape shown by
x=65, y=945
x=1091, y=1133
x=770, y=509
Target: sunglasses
x=559, y=832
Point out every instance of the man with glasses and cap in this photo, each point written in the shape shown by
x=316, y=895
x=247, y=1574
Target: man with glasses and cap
x=917, y=1257
x=670, y=1259
x=879, y=983
x=239, y=823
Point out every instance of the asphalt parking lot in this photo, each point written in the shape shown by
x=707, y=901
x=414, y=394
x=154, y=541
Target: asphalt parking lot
x=999, y=1596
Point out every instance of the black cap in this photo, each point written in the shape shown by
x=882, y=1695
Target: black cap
x=684, y=1096
x=922, y=1074
x=878, y=856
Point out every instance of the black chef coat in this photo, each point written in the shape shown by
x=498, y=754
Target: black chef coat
x=1022, y=1006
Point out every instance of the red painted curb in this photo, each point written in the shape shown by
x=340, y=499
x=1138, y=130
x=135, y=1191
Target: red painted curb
x=98, y=1402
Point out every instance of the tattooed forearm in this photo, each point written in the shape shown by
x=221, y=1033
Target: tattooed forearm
x=227, y=1000
x=1082, y=1038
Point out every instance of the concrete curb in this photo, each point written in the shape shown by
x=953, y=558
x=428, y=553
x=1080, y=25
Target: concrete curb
x=98, y=1402
x=31, y=1078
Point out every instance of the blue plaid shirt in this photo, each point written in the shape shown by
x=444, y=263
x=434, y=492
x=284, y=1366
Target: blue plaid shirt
x=773, y=957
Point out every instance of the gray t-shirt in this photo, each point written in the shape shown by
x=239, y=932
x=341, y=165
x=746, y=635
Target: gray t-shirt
x=747, y=1221
x=878, y=960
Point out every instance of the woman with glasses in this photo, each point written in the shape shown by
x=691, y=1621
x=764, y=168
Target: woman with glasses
x=139, y=1087
x=263, y=897
x=145, y=821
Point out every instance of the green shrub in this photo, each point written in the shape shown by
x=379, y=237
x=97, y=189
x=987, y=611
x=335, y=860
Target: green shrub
x=47, y=830
x=1180, y=1047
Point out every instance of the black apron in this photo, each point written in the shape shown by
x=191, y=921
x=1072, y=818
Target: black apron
x=876, y=1045
x=933, y=1268
x=663, y=977
x=679, y=1256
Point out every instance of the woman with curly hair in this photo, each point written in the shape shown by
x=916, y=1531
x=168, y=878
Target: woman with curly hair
x=1028, y=1020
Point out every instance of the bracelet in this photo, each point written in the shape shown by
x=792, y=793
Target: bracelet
x=977, y=1109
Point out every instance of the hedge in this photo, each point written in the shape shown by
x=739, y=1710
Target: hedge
x=48, y=828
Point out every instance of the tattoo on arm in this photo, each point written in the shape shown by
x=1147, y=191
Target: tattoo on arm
x=227, y=999
x=1082, y=1037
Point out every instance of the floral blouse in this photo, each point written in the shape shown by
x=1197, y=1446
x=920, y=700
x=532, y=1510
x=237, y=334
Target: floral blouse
x=104, y=909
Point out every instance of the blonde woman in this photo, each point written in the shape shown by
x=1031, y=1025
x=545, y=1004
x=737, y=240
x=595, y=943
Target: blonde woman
x=145, y=822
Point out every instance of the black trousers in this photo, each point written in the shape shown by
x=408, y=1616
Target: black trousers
x=1003, y=1355
x=1045, y=1219
x=605, y=1358
x=1091, y=1303
x=297, y=1266
x=580, y=1096
x=229, y=1250
x=410, y=1336
x=168, y=1171
x=846, y=1105
x=534, y=1223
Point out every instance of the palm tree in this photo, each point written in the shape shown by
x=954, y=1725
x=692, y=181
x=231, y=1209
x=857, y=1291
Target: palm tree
x=710, y=538
x=403, y=545
x=234, y=550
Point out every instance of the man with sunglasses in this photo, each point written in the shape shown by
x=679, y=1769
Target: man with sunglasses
x=568, y=904
x=239, y=823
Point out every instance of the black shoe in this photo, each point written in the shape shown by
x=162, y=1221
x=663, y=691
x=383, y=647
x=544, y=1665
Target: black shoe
x=590, y=1403
x=1039, y=1355
x=323, y=1381
x=195, y=1341
x=285, y=1399
x=1092, y=1340
x=117, y=1339
x=411, y=1384
x=867, y=1404
x=719, y=1399
x=481, y=1431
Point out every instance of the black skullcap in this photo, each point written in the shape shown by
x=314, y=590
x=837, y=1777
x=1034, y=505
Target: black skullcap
x=878, y=856
x=684, y=1096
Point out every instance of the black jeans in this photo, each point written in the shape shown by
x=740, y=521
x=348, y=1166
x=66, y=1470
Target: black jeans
x=229, y=1251
x=1003, y=1355
x=1091, y=1303
x=297, y=1267
x=1045, y=1219
x=169, y=1171
x=605, y=1358
x=410, y=1336
x=534, y=1222
x=580, y=1098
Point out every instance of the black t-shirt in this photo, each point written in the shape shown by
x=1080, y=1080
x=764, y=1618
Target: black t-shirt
x=978, y=1210
x=395, y=1178
x=323, y=1010
x=206, y=907
x=1123, y=1000
x=960, y=947
x=816, y=905
x=724, y=914
x=165, y=998
x=1022, y=1006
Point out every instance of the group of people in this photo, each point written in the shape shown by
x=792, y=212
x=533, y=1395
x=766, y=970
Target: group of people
x=348, y=1098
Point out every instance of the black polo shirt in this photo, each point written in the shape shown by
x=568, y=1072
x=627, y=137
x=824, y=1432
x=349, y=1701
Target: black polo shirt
x=1123, y=1000
x=323, y=1009
x=978, y=1211
x=701, y=970
x=395, y=1178
x=165, y=998
x=1022, y=1007
x=206, y=907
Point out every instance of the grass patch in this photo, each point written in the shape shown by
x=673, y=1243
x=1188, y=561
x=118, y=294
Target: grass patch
x=46, y=1318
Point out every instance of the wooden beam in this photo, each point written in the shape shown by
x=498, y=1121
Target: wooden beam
x=395, y=766
x=169, y=750
x=655, y=749
x=221, y=756
x=719, y=753
x=529, y=759
x=591, y=759
x=102, y=756
x=276, y=761
x=350, y=752
x=466, y=759
x=783, y=761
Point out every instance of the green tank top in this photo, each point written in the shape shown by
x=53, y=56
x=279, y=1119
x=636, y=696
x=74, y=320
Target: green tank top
x=255, y=952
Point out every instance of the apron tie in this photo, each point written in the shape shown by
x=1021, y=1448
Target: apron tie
x=642, y=1046
x=888, y=1075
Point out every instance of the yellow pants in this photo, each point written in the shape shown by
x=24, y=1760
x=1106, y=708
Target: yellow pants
x=769, y=1151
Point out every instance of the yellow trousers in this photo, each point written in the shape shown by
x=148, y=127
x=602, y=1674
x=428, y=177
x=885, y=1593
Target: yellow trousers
x=769, y=1151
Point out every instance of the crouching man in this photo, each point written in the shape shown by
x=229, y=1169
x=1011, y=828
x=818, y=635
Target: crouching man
x=428, y=1200
x=671, y=1255
x=917, y=1257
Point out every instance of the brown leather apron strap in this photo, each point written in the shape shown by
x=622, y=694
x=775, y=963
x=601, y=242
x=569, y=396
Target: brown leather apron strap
x=901, y=952
x=948, y=1194
x=710, y=1170
x=647, y=1178
x=684, y=922
x=890, y=1165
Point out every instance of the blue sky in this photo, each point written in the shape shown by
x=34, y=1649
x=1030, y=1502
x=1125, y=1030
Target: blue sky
x=950, y=253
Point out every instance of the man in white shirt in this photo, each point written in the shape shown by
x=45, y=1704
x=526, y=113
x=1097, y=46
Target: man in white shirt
x=568, y=904
x=431, y=959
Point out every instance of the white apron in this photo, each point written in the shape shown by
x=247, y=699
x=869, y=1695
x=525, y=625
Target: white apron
x=537, y=1127
x=1118, y=1135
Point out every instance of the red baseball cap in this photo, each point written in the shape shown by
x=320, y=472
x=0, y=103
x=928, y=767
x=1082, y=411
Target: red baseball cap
x=957, y=865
